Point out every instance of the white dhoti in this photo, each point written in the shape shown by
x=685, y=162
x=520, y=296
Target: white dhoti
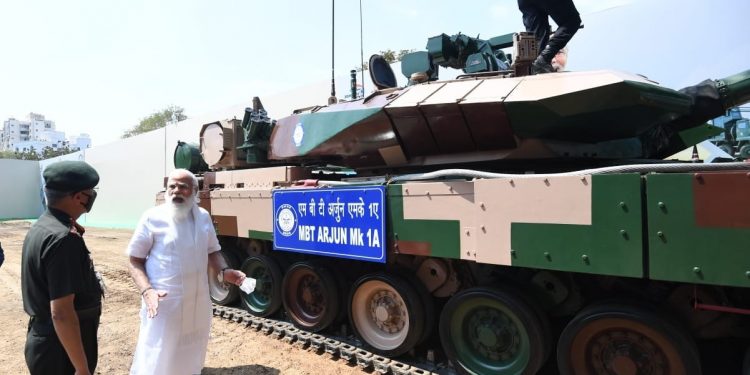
x=174, y=342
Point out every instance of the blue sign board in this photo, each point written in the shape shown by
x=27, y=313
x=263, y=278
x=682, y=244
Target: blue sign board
x=343, y=222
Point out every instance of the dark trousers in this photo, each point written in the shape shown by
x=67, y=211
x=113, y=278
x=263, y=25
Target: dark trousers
x=536, y=15
x=45, y=354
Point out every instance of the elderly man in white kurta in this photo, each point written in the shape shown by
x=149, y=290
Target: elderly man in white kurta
x=170, y=251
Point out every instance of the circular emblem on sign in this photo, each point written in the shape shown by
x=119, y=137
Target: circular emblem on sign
x=298, y=134
x=286, y=220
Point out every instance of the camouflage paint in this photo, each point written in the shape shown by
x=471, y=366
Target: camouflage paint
x=244, y=203
x=459, y=116
x=258, y=235
x=414, y=132
x=320, y=127
x=566, y=107
x=446, y=120
x=697, y=224
x=355, y=131
x=455, y=202
x=612, y=244
x=205, y=200
x=438, y=238
x=252, y=209
x=698, y=227
x=486, y=115
x=570, y=223
x=722, y=200
x=504, y=202
x=225, y=225
x=699, y=133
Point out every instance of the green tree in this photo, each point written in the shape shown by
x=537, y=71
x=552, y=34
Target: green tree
x=48, y=152
x=31, y=154
x=389, y=55
x=401, y=53
x=363, y=67
x=25, y=154
x=392, y=56
x=156, y=120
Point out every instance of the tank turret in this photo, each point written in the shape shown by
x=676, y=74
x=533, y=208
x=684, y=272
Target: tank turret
x=491, y=115
x=588, y=115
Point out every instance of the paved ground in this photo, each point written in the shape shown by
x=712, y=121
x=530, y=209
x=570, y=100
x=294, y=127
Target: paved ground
x=230, y=351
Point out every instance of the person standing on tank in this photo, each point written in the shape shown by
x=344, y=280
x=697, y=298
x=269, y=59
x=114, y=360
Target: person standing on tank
x=61, y=290
x=171, y=248
x=536, y=14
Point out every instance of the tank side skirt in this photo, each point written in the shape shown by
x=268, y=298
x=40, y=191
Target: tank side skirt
x=610, y=245
x=698, y=227
x=696, y=237
x=438, y=238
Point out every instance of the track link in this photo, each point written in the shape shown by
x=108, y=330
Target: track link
x=336, y=347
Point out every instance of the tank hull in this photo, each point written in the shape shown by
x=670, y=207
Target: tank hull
x=563, y=242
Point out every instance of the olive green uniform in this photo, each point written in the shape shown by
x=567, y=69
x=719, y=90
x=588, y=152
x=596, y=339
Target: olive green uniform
x=56, y=263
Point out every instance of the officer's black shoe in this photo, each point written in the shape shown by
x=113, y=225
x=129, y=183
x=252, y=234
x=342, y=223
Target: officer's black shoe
x=540, y=66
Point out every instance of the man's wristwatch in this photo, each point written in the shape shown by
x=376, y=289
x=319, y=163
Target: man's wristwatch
x=222, y=272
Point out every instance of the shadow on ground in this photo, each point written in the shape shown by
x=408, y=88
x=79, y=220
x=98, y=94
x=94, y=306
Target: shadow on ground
x=241, y=370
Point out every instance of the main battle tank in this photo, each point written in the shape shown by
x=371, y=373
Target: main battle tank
x=563, y=245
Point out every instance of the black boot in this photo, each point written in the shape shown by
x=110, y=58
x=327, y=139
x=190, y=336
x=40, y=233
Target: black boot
x=541, y=66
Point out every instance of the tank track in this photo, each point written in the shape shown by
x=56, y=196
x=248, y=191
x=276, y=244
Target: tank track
x=337, y=347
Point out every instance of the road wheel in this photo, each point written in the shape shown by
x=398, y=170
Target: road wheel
x=491, y=331
x=745, y=152
x=387, y=313
x=623, y=339
x=223, y=293
x=266, y=298
x=310, y=295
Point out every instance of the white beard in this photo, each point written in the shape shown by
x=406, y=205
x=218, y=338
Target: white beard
x=180, y=211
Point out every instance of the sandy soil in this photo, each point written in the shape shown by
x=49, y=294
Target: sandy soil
x=231, y=350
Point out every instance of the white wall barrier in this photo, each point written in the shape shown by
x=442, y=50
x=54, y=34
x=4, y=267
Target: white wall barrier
x=20, y=189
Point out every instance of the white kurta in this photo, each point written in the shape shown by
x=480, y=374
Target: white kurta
x=175, y=341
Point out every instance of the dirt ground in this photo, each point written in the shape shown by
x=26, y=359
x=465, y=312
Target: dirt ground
x=231, y=350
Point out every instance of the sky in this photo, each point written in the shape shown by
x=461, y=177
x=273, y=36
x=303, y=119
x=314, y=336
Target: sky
x=100, y=66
